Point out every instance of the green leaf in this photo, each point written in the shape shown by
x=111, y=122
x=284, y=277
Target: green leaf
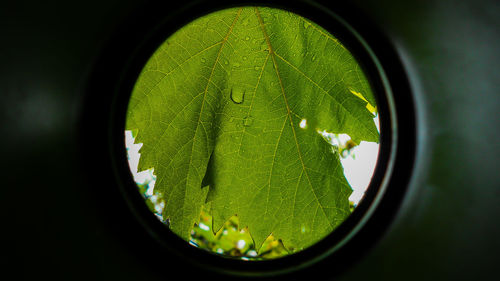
x=222, y=103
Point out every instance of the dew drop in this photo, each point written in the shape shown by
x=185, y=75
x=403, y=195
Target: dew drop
x=247, y=38
x=303, y=123
x=306, y=24
x=313, y=58
x=244, y=58
x=203, y=60
x=303, y=229
x=237, y=95
x=226, y=62
x=264, y=46
x=247, y=121
x=257, y=68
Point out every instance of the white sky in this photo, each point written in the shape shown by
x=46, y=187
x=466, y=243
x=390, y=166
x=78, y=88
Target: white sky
x=359, y=170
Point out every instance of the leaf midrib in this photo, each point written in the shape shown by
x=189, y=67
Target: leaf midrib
x=273, y=56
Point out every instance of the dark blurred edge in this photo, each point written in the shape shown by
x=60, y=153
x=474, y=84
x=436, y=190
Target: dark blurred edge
x=58, y=225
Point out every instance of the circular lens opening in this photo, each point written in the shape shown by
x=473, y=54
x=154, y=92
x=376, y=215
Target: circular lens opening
x=252, y=132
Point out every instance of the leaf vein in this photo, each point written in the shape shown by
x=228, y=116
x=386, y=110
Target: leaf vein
x=273, y=55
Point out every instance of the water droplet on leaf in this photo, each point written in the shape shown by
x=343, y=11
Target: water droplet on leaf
x=247, y=121
x=264, y=46
x=303, y=229
x=203, y=60
x=303, y=123
x=237, y=95
x=247, y=38
x=257, y=68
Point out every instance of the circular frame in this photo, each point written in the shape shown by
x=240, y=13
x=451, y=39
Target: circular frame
x=109, y=91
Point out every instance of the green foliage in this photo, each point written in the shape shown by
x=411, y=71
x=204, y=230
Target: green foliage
x=230, y=110
x=232, y=241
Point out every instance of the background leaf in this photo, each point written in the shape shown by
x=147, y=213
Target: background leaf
x=229, y=110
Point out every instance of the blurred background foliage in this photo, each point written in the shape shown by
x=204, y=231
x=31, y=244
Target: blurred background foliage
x=230, y=240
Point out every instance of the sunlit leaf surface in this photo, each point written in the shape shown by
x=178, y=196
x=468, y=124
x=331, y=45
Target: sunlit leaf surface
x=229, y=109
